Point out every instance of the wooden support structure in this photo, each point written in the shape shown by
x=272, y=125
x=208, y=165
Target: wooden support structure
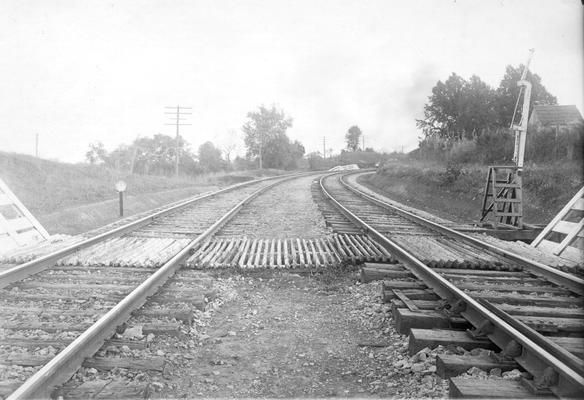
x=503, y=197
x=18, y=227
x=564, y=235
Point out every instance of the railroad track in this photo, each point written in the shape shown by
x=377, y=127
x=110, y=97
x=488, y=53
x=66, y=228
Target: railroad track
x=529, y=312
x=82, y=305
x=93, y=302
x=58, y=310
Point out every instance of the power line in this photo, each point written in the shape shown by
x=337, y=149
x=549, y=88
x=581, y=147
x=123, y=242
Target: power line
x=177, y=118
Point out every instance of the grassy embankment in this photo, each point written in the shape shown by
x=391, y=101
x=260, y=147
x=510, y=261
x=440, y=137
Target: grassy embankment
x=73, y=198
x=427, y=185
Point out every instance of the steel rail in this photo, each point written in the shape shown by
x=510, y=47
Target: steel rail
x=64, y=364
x=571, y=282
x=571, y=383
x=37, y=265
x=574, y=361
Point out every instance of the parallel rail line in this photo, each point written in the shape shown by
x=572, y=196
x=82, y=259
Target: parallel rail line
x=34, y=266
x=66, y=362
x=561, y=278
x=551, y=366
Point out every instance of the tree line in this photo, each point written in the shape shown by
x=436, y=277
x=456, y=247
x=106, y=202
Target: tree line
x=468, y=121
x=265, y=138
x=459, y=108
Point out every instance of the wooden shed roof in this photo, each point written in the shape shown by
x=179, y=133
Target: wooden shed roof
x=556, y=115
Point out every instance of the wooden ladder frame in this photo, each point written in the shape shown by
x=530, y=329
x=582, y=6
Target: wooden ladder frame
x=20, y=230
x=571, y=229
x=503, y=197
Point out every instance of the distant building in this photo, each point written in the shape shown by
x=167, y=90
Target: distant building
x=555, y=116
x=558, y=130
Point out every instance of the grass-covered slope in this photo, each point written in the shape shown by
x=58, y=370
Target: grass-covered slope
x=73, y=198
x=456, y=193
x=46, y=186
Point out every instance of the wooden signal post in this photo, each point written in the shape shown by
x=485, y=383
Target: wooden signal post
x=503, y=198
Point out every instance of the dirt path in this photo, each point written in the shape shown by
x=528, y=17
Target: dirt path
x=285, y=335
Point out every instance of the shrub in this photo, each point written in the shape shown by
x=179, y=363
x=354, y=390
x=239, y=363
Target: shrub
x=453, y=171
x=495, y=146
x=432, y=148
x=462, y=151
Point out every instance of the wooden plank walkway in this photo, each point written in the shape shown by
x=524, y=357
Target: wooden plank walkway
x=244, y=252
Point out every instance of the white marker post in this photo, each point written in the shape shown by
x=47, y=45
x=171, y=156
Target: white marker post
x=121, y=188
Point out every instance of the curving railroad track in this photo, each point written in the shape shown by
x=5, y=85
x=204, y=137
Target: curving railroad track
x=530, y=311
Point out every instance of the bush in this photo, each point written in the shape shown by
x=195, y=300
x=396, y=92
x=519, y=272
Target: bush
x=462, y=151
x=547, y=144
x=432, y=148
x=495, y=147
x=453, y=171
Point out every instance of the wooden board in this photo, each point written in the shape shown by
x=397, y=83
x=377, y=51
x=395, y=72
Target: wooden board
x=488, y=388
x=374, y=274
x=18, y=227
x=406, y=319
x=104, y=389
x=453, y=365
x=432, y=338
x=412, y=294
x=570, y=231
x=574, y=345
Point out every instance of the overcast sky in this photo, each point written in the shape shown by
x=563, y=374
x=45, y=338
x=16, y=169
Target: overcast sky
x=78, y=72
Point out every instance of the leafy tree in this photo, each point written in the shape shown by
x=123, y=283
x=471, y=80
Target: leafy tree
x=156, y=155
x=210, y=157
x=240, y=163
x=441, y=113
x=120, y=158
x=459, y=109
x=146, y=155
x=508, y=91
x=479, y=107
x=265, y=136
x=352, y=138
x=97, y=154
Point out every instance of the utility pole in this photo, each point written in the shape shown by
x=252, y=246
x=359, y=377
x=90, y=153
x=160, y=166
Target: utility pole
x=324, y=147
x=261, y=145
x=363, y=142
x=178, y=113
x=36, y=146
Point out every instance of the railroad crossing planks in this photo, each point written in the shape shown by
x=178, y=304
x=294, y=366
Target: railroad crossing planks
x=246, y=252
